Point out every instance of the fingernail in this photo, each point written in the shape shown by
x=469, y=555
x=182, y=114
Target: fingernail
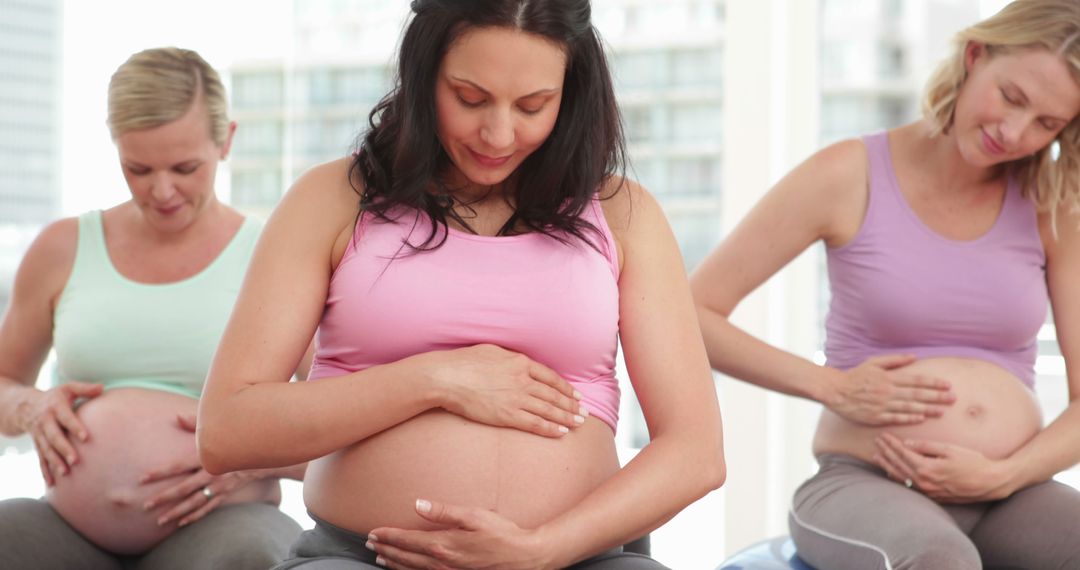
x=372, y=538
x=564, y=429
x=578, y=395
x=71, y=459
x=584, y=411
x=369, y=545
x=425, y=506
x=380, y=561
x=161, y=521
x=579, y=420
x=148, y=505
x=182, y=523
x=83, y=435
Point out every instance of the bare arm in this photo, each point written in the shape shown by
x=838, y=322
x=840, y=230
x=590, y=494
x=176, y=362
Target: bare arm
x=822, y=199
x=668, y=367
x=1057, y=447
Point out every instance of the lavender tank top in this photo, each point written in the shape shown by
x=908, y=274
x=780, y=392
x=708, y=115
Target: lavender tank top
x=900, y=287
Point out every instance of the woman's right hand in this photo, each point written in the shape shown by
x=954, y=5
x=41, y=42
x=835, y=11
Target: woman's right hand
x=494, y=386
x=876, y=393
x=49, y=417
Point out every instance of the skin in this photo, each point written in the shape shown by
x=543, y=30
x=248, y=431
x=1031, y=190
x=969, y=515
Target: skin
x=955, y=183
x=170, y=230
x=663, y=348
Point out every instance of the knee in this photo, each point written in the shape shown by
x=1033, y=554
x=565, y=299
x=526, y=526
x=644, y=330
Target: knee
x=945, y=552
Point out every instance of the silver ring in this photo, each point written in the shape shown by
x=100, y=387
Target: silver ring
x=907, y=483
x=206, y=492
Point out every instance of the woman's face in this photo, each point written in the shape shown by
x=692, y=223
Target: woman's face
x=170, y=169
x=1012, y=104
x=497, y=97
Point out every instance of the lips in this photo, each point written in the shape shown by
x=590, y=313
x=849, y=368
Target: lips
x=168, y=211
x=489, y=161
x=991, y=146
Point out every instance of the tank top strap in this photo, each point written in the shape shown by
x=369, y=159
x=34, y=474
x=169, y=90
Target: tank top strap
x=594, y=214
x=91, y=256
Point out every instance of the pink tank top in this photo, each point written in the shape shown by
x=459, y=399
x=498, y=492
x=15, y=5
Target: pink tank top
x=900, y=287
x=557, y=303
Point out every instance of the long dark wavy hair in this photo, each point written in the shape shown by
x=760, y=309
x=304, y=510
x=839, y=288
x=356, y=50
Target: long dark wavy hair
x=401, y=162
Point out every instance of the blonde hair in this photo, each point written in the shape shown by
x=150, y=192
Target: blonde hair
x=157, y=86
x=1054, y=25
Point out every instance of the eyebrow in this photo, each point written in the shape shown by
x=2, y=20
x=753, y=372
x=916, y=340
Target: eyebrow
x=189, y=162
x=549, y=91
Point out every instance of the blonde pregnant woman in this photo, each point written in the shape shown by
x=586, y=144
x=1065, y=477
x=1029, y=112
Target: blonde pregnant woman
x=944, y=240
x=134, y=300
x=470, y=273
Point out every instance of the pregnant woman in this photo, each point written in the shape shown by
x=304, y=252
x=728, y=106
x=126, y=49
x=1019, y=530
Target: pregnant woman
x=134, y=299
x=944, y=240
x=470, y=272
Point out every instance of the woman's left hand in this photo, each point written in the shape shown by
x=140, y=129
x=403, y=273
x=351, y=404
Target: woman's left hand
x=944, y=472
x=474, y=538
x=198, y=493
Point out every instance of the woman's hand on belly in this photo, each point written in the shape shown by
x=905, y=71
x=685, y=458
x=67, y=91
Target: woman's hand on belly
x=876, y=393
x=494, y=386
x=198, y=492
x=50, y=420
x=472, y=538
x=945, y=472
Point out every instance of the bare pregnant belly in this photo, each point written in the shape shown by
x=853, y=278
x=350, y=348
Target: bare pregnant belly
x=994, y=413
x=131, y=431
x=528, y=478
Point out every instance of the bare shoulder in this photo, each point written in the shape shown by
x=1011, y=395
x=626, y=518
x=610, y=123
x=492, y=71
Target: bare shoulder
x=622, y=201
x=1060, y=233
x=48, y=262
x=327, y=184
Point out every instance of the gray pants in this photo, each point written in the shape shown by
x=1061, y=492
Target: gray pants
x=249, y=536
x=328, y=547
x=851, y=516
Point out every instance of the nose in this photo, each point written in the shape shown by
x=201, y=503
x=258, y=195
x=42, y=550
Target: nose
x=1013, y=126
x=162, y=187
x=498, y=129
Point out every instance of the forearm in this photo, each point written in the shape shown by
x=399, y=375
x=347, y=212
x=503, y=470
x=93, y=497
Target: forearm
x=281, y=424
x=671, y=472
x=14, y=397
x=1050, y=452
x=738, y=354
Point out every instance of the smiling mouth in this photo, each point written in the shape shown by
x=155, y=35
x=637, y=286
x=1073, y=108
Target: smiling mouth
x=169, y=210
x=991, y=145
x=489, y=161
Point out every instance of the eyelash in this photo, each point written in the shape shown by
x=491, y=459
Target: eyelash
x=181, y=171
x=477, y=104
x=1008, y=99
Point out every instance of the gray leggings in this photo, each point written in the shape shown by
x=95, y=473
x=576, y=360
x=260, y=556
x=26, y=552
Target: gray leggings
x=328, y=547
x=851, y=516
x=249, y=536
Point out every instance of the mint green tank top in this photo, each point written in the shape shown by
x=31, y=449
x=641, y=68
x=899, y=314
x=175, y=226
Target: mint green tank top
x=115, y=331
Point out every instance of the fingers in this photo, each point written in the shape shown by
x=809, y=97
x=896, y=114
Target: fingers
x=893, y=463
x=401, y=559
x=573, y=406
x=46, y=473
x=183, y=467
x=47, y=455
x=928, y=448
x=189, y=486
x=71, y=422
x=890, y=361
x=894, y=418
x=527, y=421
x=83, y=389
x=551, y=378
x=58, y=440
x=194, y=499
x=449, y=515
x=202, y=511
x=553, y=414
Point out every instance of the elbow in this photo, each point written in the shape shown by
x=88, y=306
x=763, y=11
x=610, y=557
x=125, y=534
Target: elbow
x=714, y=471
x=213, y=446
